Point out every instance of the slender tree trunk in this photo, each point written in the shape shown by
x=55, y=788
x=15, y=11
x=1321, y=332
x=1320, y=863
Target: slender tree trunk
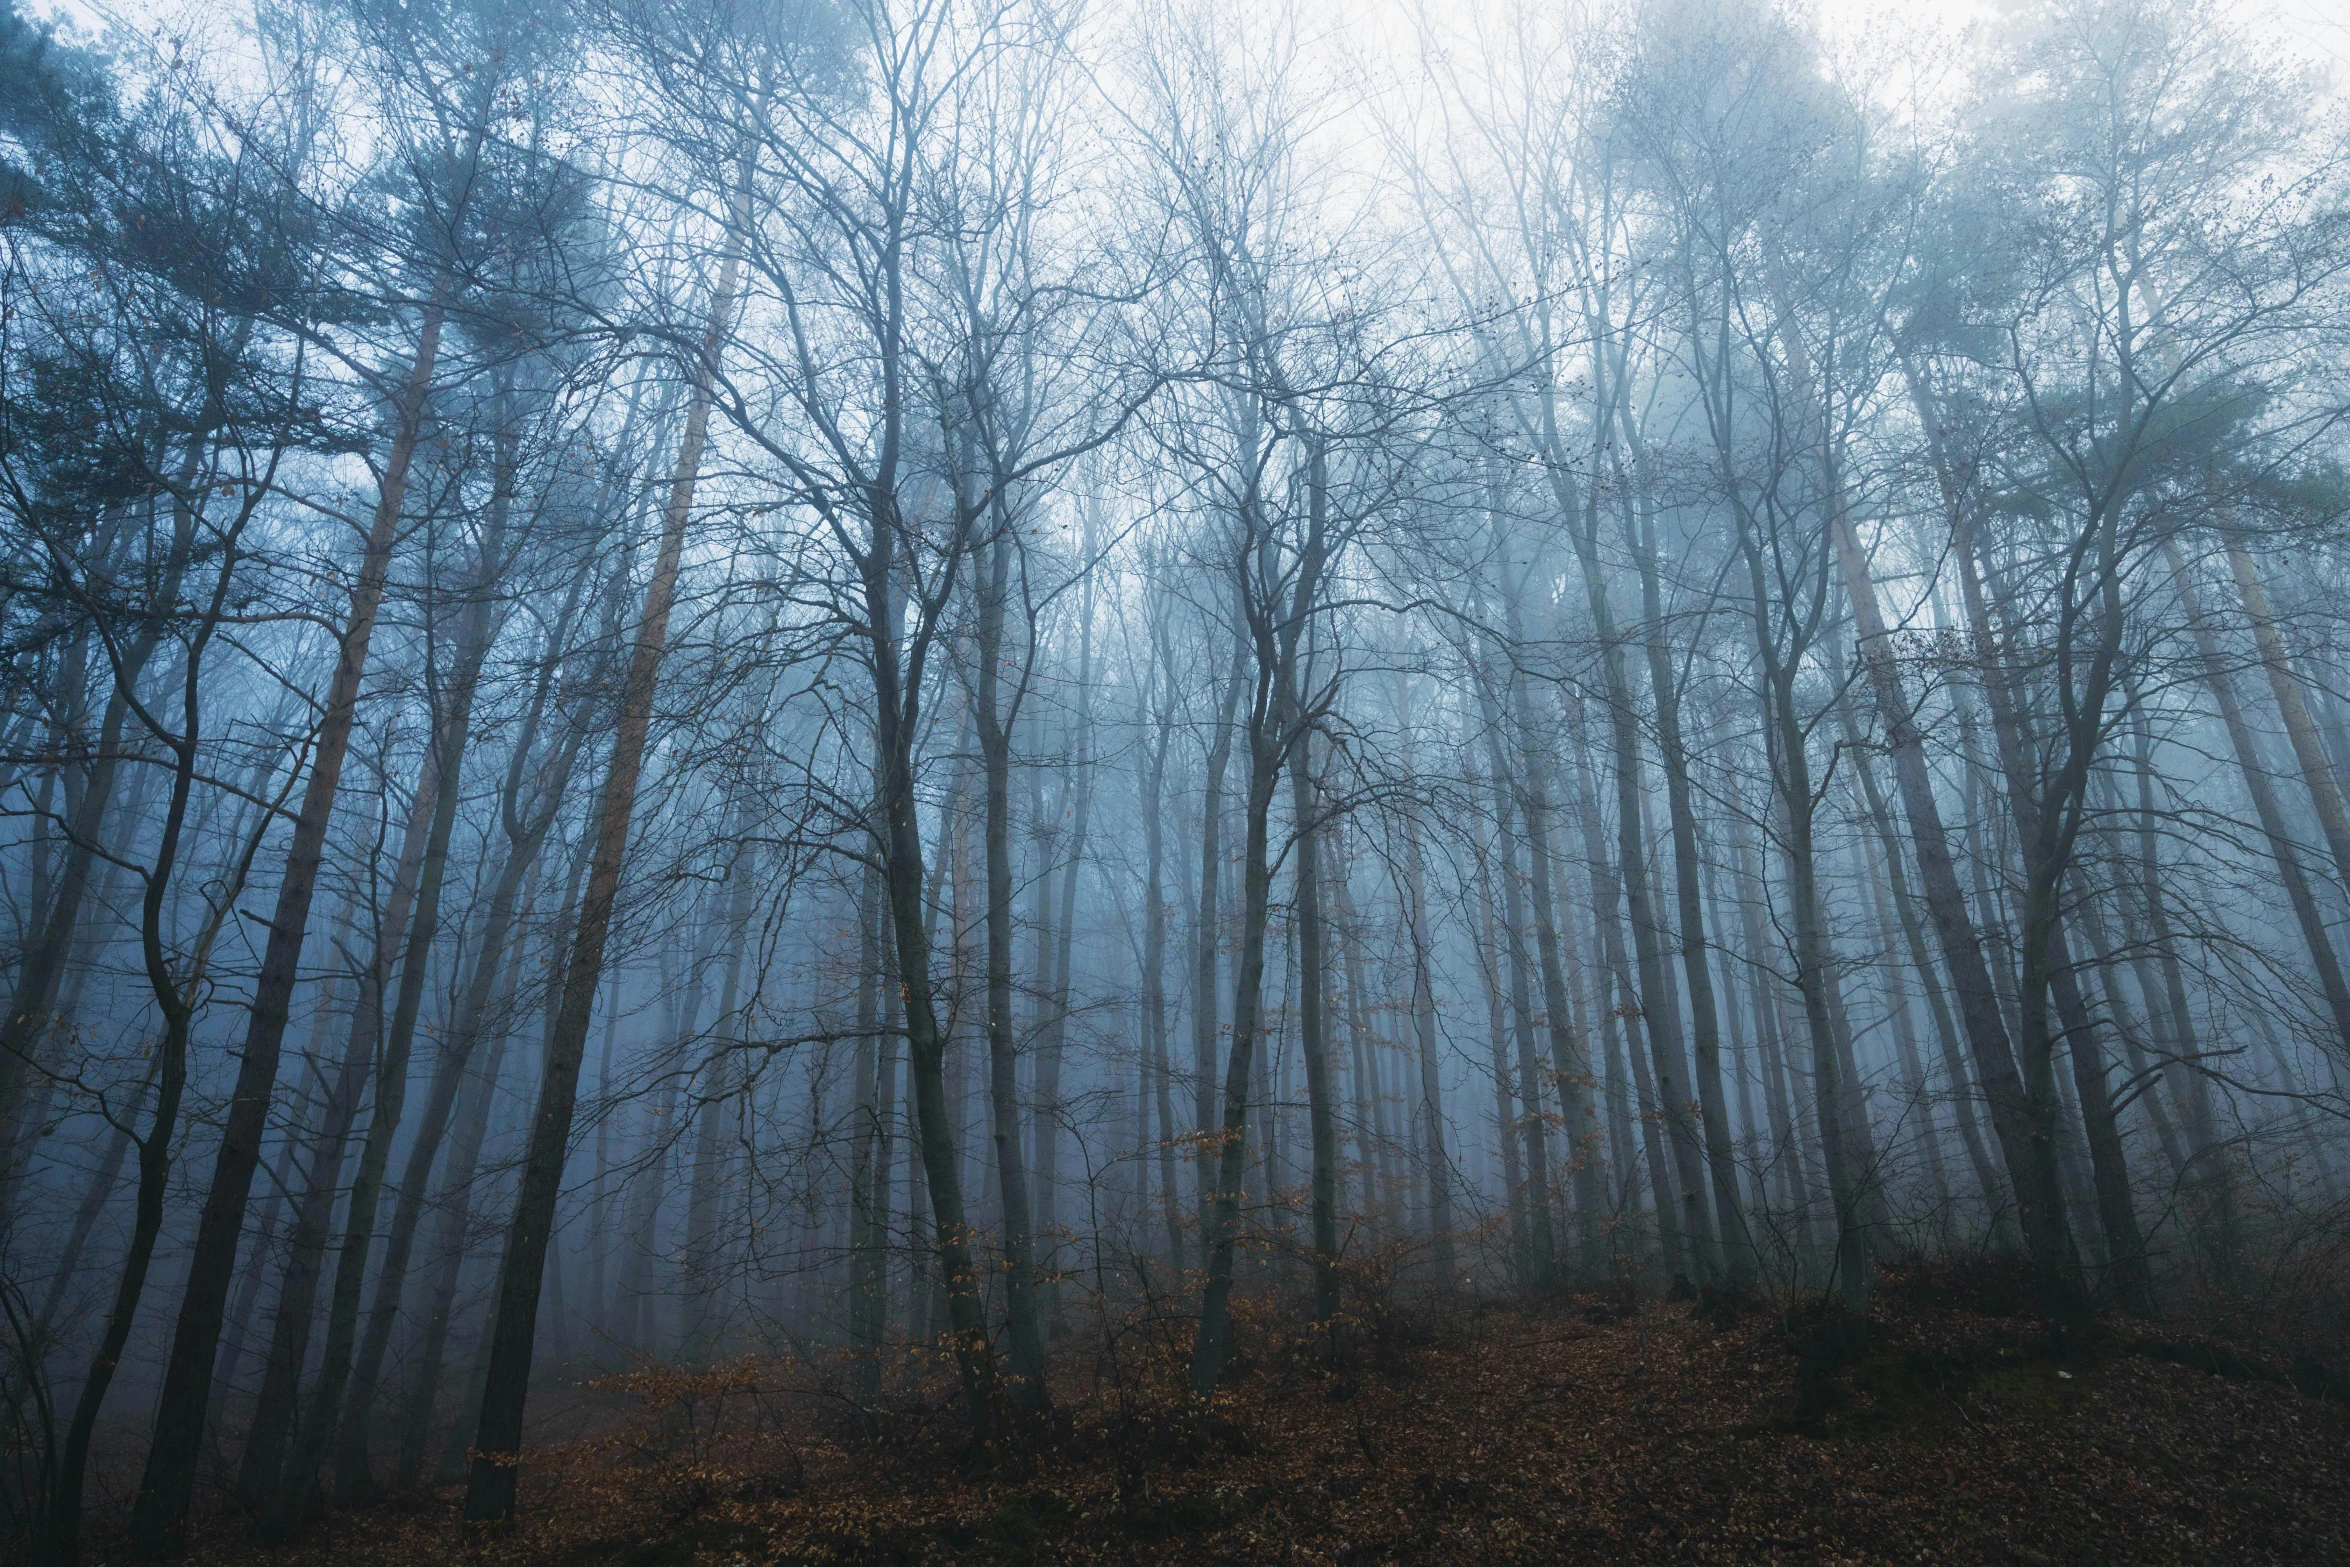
x=1580, y=1122
x=168, y=1482
x=525, y=839
x=32, y=1006
x=1505, y=1117
x=1811, y=982
x=173, y=995
x=1053, y=1047
x=2144, y=1082
x=715, y=1091
x=154, y=1154
x=103, y=1184
x=2264, y=800
x=682, y=1020
x=1275, y=623
x=2190, y=1084
x=1154, y=925
x=1539, y=1263
x=1026, y=1385
x=452, y=1230
x=1430, y=1110
x=868, y=1253
x=1682, y=1206
x=1916, y=1091
x=1205, y=927
x=491, y=1491
x=1921, y=960
x=1373, y=1140
x=123, y=1141
x=1222, y=1227
x=1786, y=1148
x=2317, y=774
x=2027, y=1148
x=1738, y=1257
x=247, y=1307
x=269, y=1441
x=2052, y=960
x=1321, y=1121
x=445, y=761
x=50, y=953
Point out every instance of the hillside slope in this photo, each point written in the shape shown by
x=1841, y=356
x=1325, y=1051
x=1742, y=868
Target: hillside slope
x=1958, y=1435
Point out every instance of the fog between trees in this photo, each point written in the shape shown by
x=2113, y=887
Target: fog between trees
x=879, y=679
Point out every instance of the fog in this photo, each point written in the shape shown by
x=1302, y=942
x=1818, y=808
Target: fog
x=884, y=683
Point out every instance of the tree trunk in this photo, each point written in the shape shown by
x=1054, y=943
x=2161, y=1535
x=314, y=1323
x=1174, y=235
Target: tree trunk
x=1787, y=1155
x=1053, y=1046
x=1026, y=1385
x=1505, y=1116
x=445, y=761
x=1204, y=929
x=453, y=1225
x=168, y=1482
x=1921, y=960
x=50, y=952
x=1539, y=1263
x=247, y=1306
x=1572, y=1070
x=490, y=1493
x=1682, y=1206
x=1738, y=1258
x=1305, y=807
x=1430, y=1111
x=2309, y=752
x=868, y=1234
x=1917, y=1093
x=1159, y=710
x=2190, y=1084
x=1811, y=982
x=716, y=1091
x=1222, y=1227
x=525, y=839
x=268, y=1442
x=1275, y=622
x=172, y=999
x=2026, y=1147
x=173, y=995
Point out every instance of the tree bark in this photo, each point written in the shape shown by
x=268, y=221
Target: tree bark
x=1921, y=960
x=714, y=1093
x=1683, y=1211
x=1025, y=1385
x=268, y=1442
x=2026, y=1147
x=1737, y=1258
x=1205, y=927
x=1430, y=1110
x=1505, y=1116
x=2051, y=961
x=2317, y=774
x=868, y=1191
x=491, y=1490
x=168, y=1482
x=445, y=761
x=1159, y=712
x=1539, y=1263
x=1305, y=807
x=526, y=836
x=1053, y=1046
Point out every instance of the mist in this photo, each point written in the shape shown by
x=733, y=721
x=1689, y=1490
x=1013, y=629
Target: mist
x=945, y=727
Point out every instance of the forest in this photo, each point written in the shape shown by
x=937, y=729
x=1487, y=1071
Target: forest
x=787, y=754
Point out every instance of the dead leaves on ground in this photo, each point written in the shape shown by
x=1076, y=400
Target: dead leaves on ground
x=1558, y=1435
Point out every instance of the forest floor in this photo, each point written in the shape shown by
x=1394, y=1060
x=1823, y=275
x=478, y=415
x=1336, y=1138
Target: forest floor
x=1965, y=1431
